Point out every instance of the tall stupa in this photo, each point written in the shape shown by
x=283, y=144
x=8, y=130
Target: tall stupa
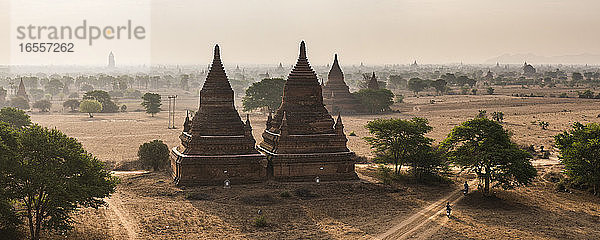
x=302, y=141
x=217, y=145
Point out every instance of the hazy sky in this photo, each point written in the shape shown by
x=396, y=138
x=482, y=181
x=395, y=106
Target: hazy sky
x=369, y=31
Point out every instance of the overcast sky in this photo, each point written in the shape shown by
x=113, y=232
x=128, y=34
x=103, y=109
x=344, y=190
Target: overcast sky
x=369, y=31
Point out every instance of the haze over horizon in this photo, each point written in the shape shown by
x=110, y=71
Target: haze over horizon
x=372, y=32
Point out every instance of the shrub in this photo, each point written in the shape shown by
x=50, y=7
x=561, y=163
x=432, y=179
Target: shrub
x=285, y=194
x=261, y=221
x=90, y=106
x=43, y=105
x=353, y=134
x=154, y=154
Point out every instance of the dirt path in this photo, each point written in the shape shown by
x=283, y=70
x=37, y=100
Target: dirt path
x=407, y=228
x=115, y=205
x=118, y=212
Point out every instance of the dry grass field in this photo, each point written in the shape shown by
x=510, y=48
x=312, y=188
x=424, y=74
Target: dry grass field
x=148, y=206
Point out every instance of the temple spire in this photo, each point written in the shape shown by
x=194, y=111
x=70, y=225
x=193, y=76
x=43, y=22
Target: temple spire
x=302, y=50
x=217, y=52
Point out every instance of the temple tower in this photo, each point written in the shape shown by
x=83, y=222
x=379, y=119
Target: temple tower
x=336, y=94
x=216, y=144
x=302, y=141
x=373, y=84
x=21, y=92
x=111, y=60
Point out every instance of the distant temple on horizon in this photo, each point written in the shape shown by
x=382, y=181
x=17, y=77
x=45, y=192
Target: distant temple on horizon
x=111, y=60
x=336, y=94
x=302, y=141
x=22, y=92
x=373, y=84
x=217, y=145
x=528, y=70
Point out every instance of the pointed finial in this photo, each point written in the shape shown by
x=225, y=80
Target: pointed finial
x=373, y=75
x=335, y=58
x=283, y=128
x=339, y=118
x=302, y=50
x=248, y=121
x=217, y=51
x=269, y=120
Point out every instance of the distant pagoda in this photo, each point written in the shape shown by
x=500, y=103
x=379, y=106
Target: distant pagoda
x=111, y=60
x=302, y=141
x=336, y=94
x=21, y=92
x=217, y=144
x=373, y=84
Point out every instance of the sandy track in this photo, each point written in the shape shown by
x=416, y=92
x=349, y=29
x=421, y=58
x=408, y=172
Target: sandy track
x=117, y=210
x=409, y=226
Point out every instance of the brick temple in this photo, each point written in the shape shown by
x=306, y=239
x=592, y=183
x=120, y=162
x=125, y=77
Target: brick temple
x=302, y=141
x=336, y=94
x=373, y=84
x=216, y=144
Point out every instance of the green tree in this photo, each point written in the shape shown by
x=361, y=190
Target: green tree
x=54, y=87
x=90, y=107
x=399, y=141
x=72, y=103
x=14, y=117
x=498, y=116
x=579, y=150
x=3, y=94
x=154, y=154
x=375, y=100
x=184, y=83
x=397, y=82
x=19, y=102
x=264, y=94
x=108, y=106
x=43, y=105
x=417, y=85
x=440, y=86
x=490, y=91
x=9, y=220
x=151, y=103
x=51, y=176
x=484, y=147
x=577, y=76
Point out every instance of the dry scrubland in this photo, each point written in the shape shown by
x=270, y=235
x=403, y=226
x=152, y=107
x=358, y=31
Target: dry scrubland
x=148, y=206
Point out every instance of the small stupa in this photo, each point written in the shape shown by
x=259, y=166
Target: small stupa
x=21, y=91
x=373, y=84
x=336, y=94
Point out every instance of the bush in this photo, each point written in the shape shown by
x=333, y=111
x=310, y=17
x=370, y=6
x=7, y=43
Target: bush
x=285, y=194
x=154, y=154
x=353, y=134
x=261, y=221
x=20, y=103
x=43, y=105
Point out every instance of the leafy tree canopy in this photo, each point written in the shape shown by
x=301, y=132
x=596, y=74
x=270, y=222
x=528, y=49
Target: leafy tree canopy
x=579, y=152
x=19, y=102
x=151, y=103
x=154, y=154
x=399, y=141
x=108, y=106
x=43, y=105
x=90, y=107
x=264, y=94
x=50, y=175
x=484, y=147
x=375, y=100
x=14, y=117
